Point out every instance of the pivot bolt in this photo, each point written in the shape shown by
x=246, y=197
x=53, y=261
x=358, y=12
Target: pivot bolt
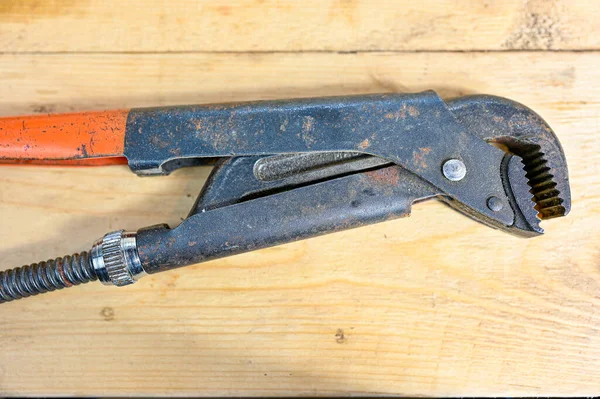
x=454, y=169
x=495, y=204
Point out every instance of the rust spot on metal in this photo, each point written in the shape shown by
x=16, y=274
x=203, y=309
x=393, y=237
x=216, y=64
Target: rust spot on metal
x=403, y=112
x=364, y=144
x=419, y=157
x=61, y=271
x=197, y=123
x=157, y=141
x=386, y=176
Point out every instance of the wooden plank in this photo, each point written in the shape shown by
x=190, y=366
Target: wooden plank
x=435, y=304
x=310, y=25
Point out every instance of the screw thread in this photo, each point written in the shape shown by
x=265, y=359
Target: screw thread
x=38, y=278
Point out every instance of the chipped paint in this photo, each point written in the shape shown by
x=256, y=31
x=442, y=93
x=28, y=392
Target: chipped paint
x=63, y=137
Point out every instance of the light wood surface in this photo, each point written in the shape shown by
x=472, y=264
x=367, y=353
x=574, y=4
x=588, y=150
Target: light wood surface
x=289, y=25
x=432, y=305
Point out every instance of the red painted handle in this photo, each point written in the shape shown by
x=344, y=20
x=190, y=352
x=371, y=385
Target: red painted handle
x=87, y=138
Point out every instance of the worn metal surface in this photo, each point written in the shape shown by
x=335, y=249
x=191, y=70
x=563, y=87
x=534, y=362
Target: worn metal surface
x=527, y=135
x=42, y=277
x=280, y=166
x=305, y=211
x=234, y=180
x=290, y=170
x=257, y=186
x=415, y=131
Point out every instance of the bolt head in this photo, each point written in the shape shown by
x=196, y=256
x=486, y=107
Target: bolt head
x=495, y=204
x=454, y=169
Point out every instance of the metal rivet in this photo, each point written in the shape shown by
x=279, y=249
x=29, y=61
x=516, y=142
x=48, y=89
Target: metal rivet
x=454, y=169
x=495, y=204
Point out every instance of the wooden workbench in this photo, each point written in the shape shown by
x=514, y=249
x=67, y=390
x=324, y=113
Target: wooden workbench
x=431, y=305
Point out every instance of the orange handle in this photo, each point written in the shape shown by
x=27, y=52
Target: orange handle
x=87, y=138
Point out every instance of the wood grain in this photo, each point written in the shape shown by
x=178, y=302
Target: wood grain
x=432, y=305
x=288, y=25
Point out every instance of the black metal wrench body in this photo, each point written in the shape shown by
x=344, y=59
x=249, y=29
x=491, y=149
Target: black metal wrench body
x=294, y=169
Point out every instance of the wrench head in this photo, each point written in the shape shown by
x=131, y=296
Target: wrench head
x=535, y=169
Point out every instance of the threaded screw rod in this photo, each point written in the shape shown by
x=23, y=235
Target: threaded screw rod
x=113, y=260
x=38, y=278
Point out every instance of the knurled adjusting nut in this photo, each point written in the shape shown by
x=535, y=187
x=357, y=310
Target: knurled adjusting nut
x=115, y=258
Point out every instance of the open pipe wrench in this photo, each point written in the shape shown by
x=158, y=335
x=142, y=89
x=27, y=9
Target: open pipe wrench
x=292, y=169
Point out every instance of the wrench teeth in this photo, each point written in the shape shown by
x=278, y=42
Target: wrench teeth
x=543, y=188
x=533, y=210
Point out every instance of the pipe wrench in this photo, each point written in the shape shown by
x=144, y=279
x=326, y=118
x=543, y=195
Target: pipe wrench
x=287, y=170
